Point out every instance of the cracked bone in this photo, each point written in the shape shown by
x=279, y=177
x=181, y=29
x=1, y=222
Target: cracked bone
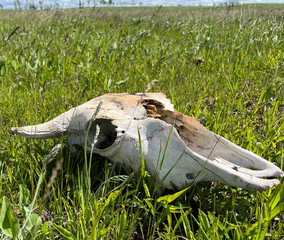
x=194, y=154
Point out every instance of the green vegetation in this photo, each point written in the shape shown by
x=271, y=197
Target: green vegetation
x=222, y=65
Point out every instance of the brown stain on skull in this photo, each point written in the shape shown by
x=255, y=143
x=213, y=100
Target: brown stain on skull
x=193, y=133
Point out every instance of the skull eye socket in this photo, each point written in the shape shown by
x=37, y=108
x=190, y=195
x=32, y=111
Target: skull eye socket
x=106, y=136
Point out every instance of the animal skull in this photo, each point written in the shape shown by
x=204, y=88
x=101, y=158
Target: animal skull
x=194, y=154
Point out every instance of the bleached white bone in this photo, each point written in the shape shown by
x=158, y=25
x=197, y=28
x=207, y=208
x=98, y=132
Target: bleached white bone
x=194, y=154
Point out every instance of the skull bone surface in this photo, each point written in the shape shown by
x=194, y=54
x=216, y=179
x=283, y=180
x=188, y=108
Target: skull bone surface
x=192, y=154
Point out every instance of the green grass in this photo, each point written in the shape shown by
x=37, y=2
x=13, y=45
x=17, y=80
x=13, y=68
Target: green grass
x=51, y=61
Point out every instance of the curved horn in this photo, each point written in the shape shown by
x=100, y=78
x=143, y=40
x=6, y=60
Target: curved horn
x=54, y=128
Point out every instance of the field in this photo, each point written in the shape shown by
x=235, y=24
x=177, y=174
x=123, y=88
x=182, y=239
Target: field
x=222, y=65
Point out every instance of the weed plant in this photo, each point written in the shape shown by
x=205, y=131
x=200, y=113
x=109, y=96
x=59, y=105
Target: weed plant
x=222, y=65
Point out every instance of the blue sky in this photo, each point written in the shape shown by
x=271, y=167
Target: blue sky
x=74, y=3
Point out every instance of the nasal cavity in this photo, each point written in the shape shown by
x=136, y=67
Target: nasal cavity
x=105, y=136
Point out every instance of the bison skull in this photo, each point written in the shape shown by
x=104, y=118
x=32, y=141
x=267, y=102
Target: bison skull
x=193, y=154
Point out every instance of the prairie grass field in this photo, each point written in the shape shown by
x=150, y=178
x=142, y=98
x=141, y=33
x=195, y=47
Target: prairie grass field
x=222, y=65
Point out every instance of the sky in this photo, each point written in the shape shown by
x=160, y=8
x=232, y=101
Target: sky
x=9, y=4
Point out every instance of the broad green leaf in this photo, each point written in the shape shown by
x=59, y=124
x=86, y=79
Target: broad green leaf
x=146, y=189
x=275, y=198
x=231, y=227
x=204, y=220
x=177, y=209
x=33, y=221
x=2, y=64
x=277, y=210
x=186, y=225
x=150, y=205
x=101, y=233
x=111, y=198
x=237, y=235
x=8, y=223
x=215, y=220
x=64, y=233
x=123, y=224
x=24, y=198
x=172, y=197
x=44, y=228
